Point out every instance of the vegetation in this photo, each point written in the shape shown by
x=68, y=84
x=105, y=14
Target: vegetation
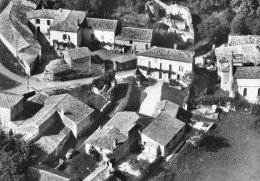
x=16, y=156
x=106, y=79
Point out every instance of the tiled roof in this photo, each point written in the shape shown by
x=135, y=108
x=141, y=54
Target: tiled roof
x=166, y=125
x=68, y=21
x=136, y=34
x=168, y=54
x=28, y=57
x=43, y=13
x=102, y=24
x=247, y=72
x=8, y=100
x=124, y=58
x=104, y=138
x=77, y=53
x=74, y=109
x=118, y=128
x=57, y=66
x=163, y=128
x=14, y=28
x=51, y=139
x=167, y=107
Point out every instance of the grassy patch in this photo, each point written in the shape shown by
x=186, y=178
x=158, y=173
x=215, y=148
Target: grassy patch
x=172, y=94
x=6, y=83
x=231, y=153
x=9, y=61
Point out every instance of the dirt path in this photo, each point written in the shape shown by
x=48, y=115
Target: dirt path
x=153, y=97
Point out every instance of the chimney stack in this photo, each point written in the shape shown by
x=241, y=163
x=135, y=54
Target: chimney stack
x=231, y=77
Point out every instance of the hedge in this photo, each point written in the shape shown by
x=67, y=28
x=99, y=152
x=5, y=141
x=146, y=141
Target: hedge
x=238, y=104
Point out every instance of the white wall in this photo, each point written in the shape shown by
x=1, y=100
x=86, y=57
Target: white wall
x=140, y=46
x=179, y=68
x=146, y=141
x=252, y=86
x=44, y=27
x=58, y=35
x=5, y=116
x=108, y=36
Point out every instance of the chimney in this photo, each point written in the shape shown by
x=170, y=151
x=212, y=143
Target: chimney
x=231, y=78
x=78, y=22
x=175, y=46
x=115, y=143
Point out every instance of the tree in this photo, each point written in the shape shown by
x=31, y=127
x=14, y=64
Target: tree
x=16, y=156
x=238, y=25
x=187, y=78
x=211, y=27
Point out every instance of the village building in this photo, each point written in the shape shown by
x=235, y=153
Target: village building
x=66, y=29
x=119, y=136
x=243, y=79
x=18, y=38
x=137, y=39
x=178, y=18
x=244, y=50
x=98, y=67
x=55, y=69
x=11, y=105
x=79, y=59
x=101, y=30
x=165, y=132
x=125, y=62
x=164, y=63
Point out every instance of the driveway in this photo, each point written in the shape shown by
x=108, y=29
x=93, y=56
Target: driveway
x=152, y=98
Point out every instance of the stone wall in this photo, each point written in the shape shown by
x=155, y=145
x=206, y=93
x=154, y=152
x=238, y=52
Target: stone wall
x=97, y=69
x=242, y=40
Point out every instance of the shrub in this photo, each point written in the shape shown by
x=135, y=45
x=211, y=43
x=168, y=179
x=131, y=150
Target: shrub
x=255, y=125
x=140, y=165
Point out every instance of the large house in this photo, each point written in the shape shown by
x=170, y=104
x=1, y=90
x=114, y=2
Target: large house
x=138, y=39
x=119, y=137
x=18, y=38
x=164, y=63
x=165, y=132
x=101, y=30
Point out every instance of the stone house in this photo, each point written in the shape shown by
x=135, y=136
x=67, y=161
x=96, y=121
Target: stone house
x=125, y=62
x=11, y=105
x=119, y=137
x=165, y=132
x=102, y=30
x=66, y=29
x=243, y=50
x=41, y=19
x=164, y=63
x=245, y=79
x=98, y=67
x=55, y=68
x=18, y=38
x=79, y=59
x=138, y=39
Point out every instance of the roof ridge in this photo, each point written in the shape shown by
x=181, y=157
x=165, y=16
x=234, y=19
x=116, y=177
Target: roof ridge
x=137, y=28
x=7, y=100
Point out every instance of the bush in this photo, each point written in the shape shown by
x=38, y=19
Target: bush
x=255, y=125
x=140, y=165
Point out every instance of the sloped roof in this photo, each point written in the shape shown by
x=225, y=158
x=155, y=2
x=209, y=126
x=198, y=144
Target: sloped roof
x=165, y=125
x=74, y=109
x=43, y=13
x=124, y=58
x=252, y=72
x=168, y=54
x=167, y=107
x=163, y=129
x=136, y=34
x=77, y=53
x=68, y=21
x=104, y=138
x=8, y=100
x=102, y=24
x=14, y=29
x=57, y=66
x=27, y=57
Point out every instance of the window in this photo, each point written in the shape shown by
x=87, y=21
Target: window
x=38, y=21
x=179, y=68
x=149, y=64
x=146, y=46
x=64, y=37
x=92, y=36
x=170, y=69
x=245, y=92
x=160, y=66
x=102, y=37
x=178, y=77
x=131, y=42
x=258, y=94
x=48, y=22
